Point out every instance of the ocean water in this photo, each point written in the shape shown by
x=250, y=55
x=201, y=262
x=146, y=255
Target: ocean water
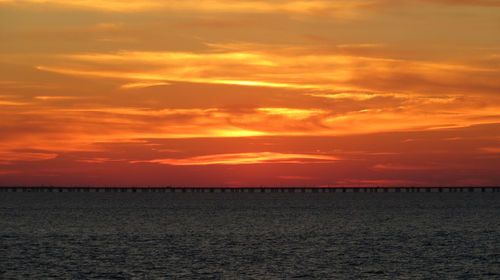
x=249, y=236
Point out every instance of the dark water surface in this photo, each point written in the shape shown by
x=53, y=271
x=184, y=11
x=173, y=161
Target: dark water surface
x=250, y=236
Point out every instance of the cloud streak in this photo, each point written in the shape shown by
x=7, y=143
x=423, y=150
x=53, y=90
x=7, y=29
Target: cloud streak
x=267, y=68
x=7, y=157
x=245, y=158
x=336, y=9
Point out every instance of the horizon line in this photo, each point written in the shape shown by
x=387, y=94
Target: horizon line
x=250, y=187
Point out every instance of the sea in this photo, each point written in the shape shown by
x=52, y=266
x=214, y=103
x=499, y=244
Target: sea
x=250, y=235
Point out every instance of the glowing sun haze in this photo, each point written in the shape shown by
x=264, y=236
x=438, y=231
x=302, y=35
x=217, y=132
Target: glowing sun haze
x=250, y=93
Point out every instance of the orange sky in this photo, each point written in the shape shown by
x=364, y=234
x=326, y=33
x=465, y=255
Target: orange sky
x=250, y=93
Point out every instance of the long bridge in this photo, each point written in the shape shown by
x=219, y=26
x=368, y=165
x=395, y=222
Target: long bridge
x=169, y=189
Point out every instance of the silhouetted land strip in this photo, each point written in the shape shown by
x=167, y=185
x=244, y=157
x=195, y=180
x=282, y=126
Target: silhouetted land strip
x=248, y=189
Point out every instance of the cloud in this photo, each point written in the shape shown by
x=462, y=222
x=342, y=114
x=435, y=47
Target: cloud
x=292, y=113
x=143, y=85
x=407, y=167
x=344, y=95
x=48, y=126
x=12, y=103
x=245, y=158
x=295, y=177
x=265, y=67
x=57, y=97
x=337, y=9
x=490, y=150
x=9, y=172
x=7, y=157
x=98, y=160
x=478, y=3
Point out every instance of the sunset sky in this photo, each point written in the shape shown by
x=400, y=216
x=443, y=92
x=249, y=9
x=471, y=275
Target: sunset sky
x=250, y=93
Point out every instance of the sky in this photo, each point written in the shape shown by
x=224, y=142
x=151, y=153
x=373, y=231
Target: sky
x=250, y=93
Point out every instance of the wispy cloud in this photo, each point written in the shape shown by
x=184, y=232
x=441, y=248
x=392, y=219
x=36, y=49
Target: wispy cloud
x=490, y=150
x=7, y=157
x=285, y=69
x=57, y=97
x=296, y=177
x=478, y=3
x=98, y=160
x=245, y=158
x=143, y=85
x=344, y=95
x=407, y=167
x=12, y=103
x=48, y=127
x=337, y=9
